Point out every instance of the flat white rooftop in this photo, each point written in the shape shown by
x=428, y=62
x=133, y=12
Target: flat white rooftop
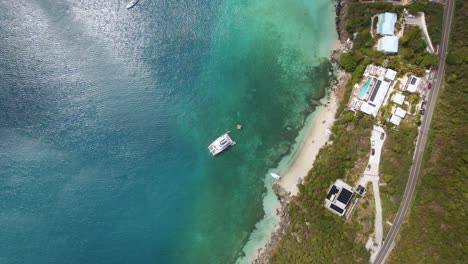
x=395, y=120
x=398, y=98
x=374, y=70
x=378, y=94
x=390, y=74
x=342, y=184
x=338, y=197
x=413, y=83
x=400, y=112
x=388, y=44
x=369, y=109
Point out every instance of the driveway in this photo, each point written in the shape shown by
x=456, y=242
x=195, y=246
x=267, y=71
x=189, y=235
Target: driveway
x=420, y=21
x=372, y=175
x=376, y=144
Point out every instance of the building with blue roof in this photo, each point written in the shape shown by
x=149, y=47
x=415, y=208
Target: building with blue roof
x=386, y=23
x=388, y=44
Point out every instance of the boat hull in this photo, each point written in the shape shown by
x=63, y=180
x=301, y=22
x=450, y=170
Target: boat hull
x=221, y=143
x=276, y=176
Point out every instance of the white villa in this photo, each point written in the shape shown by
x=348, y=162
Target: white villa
x=369, y=95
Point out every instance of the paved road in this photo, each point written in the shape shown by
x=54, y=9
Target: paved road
x=422, y=137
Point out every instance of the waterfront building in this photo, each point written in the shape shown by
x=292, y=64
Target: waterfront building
x=369, y=95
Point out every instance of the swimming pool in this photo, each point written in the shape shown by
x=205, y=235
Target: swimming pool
x=364, y=88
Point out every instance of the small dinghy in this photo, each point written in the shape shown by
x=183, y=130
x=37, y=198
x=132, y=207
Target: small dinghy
x=276, y=176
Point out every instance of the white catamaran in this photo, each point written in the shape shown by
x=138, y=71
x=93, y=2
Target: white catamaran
x=221, y=143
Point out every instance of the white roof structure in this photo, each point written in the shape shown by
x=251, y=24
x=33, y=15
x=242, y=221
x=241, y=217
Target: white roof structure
x=413, y=84
x=386, y=23
x=390, y=74
x=374, y=70
x=369, y=95
x=368, y=109
x=342, y=184
x=378, y=94
x=221, y=143
x=395, y=120
x=338, y=197
x=400, y=112
x=398, y=98
x=388, y=44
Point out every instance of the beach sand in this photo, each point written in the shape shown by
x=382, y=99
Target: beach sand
x=315, y=138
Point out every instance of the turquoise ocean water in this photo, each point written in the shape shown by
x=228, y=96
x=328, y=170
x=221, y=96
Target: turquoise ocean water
x=106, y=115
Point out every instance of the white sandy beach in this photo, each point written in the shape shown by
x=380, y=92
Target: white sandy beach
x=297, y=167
x=314, y=139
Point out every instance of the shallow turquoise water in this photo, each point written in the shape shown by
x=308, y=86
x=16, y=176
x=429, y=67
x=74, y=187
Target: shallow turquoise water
x=105, y=116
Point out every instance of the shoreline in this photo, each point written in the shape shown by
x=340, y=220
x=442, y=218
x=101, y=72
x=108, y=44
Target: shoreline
x=315, y=138
x=302, y=161
x=310, y=140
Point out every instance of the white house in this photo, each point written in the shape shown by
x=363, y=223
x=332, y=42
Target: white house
x=388, y=44
x=400, y=112
x=398, y=98
x=395, y=120
x=386, y=23
x=390, y=75
x=413, y=84
x=338, y=197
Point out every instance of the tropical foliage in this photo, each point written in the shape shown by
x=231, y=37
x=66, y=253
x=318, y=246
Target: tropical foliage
x=437, y=229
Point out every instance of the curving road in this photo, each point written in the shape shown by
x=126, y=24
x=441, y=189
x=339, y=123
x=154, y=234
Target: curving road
x=422, y=137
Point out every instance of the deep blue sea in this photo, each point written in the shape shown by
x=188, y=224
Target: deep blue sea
x=106, y=115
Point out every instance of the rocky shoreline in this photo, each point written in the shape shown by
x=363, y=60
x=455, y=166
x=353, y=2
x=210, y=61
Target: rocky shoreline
x=284, y=199
x=341, y=7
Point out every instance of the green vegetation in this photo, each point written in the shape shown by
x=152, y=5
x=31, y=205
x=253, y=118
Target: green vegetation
x=395, y=163
x=360, y=14
x=412, y=55
x=437, y=229
x=413, y=48
x=315, y=235
x=434, y=13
